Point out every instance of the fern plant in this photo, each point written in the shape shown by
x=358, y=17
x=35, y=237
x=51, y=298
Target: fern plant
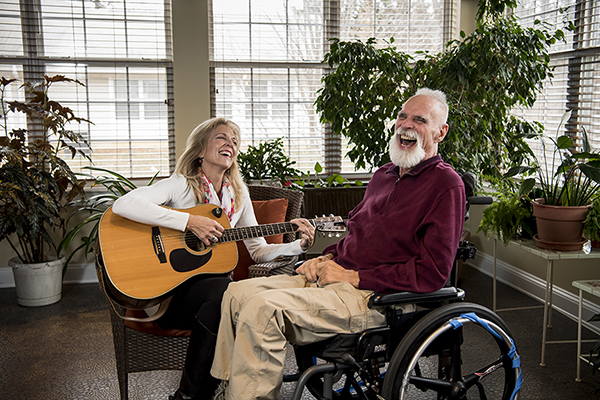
x=506, y=215
x=591, y=224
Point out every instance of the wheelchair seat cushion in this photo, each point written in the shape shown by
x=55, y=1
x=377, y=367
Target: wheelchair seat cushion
x=334, y=348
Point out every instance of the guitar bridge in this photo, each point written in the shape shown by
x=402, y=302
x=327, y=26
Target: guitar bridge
x=157, y=243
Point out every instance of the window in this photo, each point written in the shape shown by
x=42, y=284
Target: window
x=574, y=88
x=121, y=51
x=266, y=66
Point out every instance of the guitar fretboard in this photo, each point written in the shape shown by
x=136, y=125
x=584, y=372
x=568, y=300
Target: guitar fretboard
x=249, y=232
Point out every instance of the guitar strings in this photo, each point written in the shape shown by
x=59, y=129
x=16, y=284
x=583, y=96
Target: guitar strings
x=235, y=234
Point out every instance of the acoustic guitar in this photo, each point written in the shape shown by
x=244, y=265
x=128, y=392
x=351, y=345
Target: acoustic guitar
x=142, y=264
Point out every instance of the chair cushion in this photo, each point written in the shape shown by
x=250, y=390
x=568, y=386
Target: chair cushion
x=267, y=212
x=151, y=327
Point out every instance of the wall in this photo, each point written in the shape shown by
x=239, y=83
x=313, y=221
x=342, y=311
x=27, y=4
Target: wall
x=191, y=67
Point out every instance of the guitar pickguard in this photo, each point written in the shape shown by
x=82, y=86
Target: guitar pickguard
x=183, y=261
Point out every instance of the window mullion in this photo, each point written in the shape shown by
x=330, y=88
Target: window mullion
x=33, y=50
x=332, y=143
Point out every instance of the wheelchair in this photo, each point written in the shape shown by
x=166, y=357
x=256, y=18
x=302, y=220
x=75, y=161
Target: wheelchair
x=430, y=340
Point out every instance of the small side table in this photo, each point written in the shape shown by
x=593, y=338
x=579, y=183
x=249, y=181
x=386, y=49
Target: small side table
x=592, y=287
x=550, y=256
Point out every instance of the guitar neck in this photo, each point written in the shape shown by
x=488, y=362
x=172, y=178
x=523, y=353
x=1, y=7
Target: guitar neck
x=249, y=232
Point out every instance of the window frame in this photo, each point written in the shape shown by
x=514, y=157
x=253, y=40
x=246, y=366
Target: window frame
x=33, y=63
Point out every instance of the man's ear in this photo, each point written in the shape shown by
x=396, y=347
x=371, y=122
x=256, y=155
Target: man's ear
x=442, y=133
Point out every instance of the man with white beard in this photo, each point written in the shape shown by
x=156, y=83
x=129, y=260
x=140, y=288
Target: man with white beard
x=402, y=236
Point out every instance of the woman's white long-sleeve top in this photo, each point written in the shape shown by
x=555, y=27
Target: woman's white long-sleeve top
x=143, y=205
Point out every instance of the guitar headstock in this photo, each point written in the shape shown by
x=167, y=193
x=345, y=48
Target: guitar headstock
x=330, y=224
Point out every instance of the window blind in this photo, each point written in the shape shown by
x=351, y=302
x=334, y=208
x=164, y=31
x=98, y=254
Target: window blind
x=574, y=88
x=266, y=67
x=121, y=50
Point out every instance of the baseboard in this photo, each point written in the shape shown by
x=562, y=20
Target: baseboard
x=563, y=301
x=77, y=273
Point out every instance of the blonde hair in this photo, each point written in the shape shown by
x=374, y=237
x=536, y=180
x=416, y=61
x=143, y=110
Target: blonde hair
x=189, y=162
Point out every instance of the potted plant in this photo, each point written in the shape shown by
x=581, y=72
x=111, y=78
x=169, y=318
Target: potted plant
x=566, y=191
x=35, y=184
x=267, y=163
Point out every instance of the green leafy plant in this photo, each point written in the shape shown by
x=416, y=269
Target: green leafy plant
x=114, y=185
x=501, y=65
x=507, y=214
x=317, y=180
x=591, y=224
x=574, y=182
x=267, y=160
x=35, y=182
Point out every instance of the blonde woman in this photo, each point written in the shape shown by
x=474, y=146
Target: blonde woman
x=207, y=172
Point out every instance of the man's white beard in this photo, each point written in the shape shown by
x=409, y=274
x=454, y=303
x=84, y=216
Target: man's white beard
x=406, y=158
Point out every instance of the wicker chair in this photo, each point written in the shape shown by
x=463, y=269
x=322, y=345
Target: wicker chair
x=137, y=350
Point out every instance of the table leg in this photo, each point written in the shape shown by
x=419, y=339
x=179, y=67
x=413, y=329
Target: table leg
x=546, y=303
x=578, y=378
x=551, y=293
x=494, y=278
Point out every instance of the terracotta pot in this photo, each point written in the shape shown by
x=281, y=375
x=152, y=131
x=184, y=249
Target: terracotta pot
x=559, y=228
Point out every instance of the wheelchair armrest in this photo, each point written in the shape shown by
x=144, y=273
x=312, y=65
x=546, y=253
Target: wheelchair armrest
x=391, y=298
x=480, y=200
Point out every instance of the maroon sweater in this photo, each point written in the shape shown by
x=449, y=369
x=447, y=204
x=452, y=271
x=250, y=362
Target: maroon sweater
x=404, y=234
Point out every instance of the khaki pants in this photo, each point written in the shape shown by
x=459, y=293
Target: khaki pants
x=260, y=315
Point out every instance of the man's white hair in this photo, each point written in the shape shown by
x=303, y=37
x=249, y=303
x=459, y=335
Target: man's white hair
x=436, y=95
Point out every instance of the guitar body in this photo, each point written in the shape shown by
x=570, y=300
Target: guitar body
x=144, y=263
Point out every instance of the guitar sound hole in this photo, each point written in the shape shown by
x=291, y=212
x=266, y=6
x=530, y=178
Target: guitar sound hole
x=193, y=243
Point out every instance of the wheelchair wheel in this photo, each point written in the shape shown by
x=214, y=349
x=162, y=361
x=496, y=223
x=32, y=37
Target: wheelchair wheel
x=430, y=361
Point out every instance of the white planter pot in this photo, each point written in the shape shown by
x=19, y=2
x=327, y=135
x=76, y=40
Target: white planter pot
x=37, y=284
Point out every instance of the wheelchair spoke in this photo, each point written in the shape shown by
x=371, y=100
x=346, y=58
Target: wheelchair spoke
x=438, y=385
x=475, y=377
x=455, y=372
